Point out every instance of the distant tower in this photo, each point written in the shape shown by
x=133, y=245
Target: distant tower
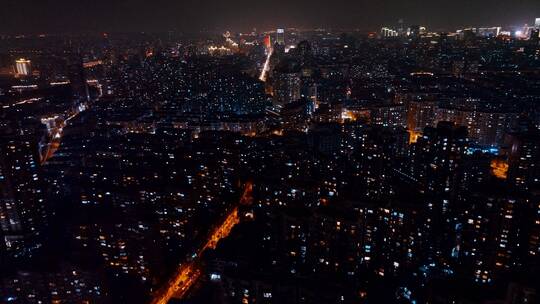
x=280, y=36
x=23, y=66
x=537, y=23
x=267, y=41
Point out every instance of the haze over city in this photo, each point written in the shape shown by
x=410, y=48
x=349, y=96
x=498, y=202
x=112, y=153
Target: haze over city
x=63, y=16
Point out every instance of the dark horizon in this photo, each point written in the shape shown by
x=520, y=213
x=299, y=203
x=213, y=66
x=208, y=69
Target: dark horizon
x=63, y=16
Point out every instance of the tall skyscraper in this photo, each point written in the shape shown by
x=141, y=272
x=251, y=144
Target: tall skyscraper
x=537, y=23
x=267, y=42
x=280, y=36
x=23, y=67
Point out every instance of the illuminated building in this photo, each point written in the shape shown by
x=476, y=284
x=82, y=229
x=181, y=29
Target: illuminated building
x=23, y=67
x=22, y=210
x=388, y=32
x=537, y=23
x=523, y=159
x=486, y=127
x=280, y=36
x=534, y=228
x=488, y=31
x=437, y=164
x=68, y=284
x=296, y=115
x=267, y=42
x=420, y=114
x=287, y=87
x=490, y=233
x=388, y=115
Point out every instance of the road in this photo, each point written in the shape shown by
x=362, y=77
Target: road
x=55, y=132
x=266, y=66
x=188, y=273
x=54, y=129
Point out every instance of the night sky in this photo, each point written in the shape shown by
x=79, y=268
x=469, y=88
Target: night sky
x=21, y=16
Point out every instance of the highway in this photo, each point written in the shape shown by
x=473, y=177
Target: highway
x=54, y=130
x=266, y=66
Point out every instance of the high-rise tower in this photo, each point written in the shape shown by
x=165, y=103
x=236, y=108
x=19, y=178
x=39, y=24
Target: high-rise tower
x=280, y=36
